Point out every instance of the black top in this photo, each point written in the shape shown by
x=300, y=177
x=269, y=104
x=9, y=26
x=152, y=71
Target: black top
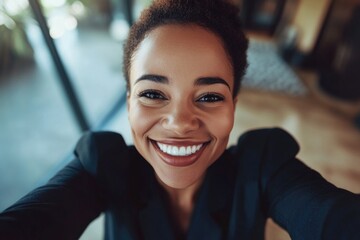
x=258, y=178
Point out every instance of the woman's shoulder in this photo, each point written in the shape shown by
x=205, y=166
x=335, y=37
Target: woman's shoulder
x=271, y=140
x=107, y=157
x=99, y=139
x=274, y=134
x=263, y=151
x=105, y=154
x=96, y=150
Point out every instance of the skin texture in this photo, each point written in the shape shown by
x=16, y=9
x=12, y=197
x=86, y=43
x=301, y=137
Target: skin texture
x=172, y=106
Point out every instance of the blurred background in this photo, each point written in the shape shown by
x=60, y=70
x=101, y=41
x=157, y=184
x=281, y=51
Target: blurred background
x=61, y=75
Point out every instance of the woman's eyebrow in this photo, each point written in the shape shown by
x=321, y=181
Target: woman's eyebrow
x=153, y=77
x=211, y=80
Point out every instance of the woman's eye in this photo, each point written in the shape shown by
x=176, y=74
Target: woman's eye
x=152, y=94
x=210, y=98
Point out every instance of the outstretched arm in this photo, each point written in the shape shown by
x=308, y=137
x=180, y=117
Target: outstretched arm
x=64, y=207
x=61, y=209
x=301, y=201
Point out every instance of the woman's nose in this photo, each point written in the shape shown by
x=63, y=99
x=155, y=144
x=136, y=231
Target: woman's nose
x=181, y=119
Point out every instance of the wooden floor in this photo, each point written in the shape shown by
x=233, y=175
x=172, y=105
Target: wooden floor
x=323, y=126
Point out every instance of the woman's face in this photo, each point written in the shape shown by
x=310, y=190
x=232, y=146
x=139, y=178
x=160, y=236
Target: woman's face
x=180, y=103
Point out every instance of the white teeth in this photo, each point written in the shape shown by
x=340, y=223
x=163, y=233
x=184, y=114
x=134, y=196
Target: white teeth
x=182, y=151
x=179, y=151
x=188, y=150
x=174, y=151
x=193, y=149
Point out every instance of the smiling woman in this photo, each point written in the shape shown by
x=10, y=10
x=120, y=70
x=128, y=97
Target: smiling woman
x=182, y=95
x=183, y=63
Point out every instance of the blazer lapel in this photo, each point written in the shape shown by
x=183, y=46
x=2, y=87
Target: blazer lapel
x=247, y=219
x=153, y=218
x=211, y=215
x=154, y=221
x=204, y=226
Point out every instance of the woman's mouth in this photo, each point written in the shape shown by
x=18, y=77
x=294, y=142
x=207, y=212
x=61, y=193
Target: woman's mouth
x=179, y=155
x=179, y=150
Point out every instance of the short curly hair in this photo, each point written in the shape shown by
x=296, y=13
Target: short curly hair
x=218, y=16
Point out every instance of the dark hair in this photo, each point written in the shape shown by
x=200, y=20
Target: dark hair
x=218, y=16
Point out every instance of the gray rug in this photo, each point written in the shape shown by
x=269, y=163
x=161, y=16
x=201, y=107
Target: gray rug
x=267, y=70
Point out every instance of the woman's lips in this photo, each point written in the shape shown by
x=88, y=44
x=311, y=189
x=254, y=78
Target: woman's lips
x=184, y=150
x=179, y=155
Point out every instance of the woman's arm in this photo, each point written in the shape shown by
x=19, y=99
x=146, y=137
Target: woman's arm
x=301, y=201
x=64, y=207
x=61, y=209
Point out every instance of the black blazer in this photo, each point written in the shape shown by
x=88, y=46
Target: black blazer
x=258, y=178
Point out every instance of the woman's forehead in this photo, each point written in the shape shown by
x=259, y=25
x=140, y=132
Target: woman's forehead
x=183, y=35
x=181, y=49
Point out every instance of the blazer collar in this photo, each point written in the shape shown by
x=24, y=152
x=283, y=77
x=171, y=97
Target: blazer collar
x=154, y=219
x=210, y=215
x=211, y=211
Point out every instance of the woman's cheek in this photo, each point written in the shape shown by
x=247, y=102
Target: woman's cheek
x=143, y=119
x=225, y=119
x=139, y=118
x=226, y=122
